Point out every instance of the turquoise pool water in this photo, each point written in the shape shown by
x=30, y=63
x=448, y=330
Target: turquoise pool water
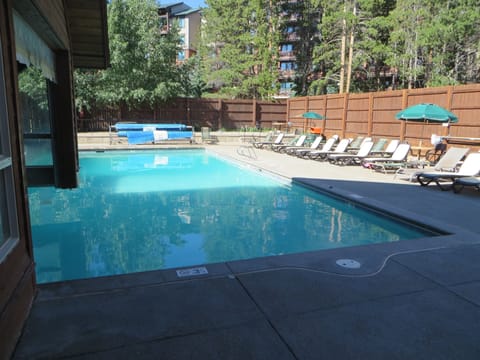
x=149, y=210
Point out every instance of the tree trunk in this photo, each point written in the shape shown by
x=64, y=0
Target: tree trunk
x=350, y=52
x=342, y=52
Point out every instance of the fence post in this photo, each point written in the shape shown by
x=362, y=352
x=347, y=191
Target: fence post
x=288, y=115
x=446, y=130
x=220, y=113
x=254, y=112
x=325, y=98
x=370, y=114
x=344, y=113
x=305, y=109
x=189, y=117
x=403, y=125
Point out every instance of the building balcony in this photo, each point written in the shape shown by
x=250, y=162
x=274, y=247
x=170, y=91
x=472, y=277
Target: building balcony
x=286, y=74
x=287, y=56
x=292, y=37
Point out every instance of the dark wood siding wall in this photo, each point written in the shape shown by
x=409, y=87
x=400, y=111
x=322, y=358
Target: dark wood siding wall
x=56, y=19
x=49, y=20
x=50, y=28
x=17, y=277
x=88, y=31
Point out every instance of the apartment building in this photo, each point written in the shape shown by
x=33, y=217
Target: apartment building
x=189, y=22
x=299, y=36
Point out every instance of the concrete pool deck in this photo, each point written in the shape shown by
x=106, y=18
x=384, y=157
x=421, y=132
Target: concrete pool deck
x=408, y=300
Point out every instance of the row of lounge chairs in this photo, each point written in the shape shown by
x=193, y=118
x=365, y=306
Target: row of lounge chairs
x=449, y=172
x=335, y=150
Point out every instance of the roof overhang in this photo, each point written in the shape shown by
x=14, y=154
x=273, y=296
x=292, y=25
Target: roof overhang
x=88, y=33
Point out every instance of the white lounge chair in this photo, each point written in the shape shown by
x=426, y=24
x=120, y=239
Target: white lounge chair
x=398, y=157
x=448, y=162
x=322, y=154
x=355, y=143
x=470, y=167
x=326, y=147
x=267, y=140
x=263, y=144
x=315, y=145
x=296, y=143
x=351, y=148
x=349, y=158
x=389, y=150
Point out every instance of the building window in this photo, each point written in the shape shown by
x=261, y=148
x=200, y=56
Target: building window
x=8, y=217
x=290, y=29
x=181, y=23
x=163, y=24
x=287, y=48
x=181, y=55
x=288, y=65
x=46, y=110
x=285, y=86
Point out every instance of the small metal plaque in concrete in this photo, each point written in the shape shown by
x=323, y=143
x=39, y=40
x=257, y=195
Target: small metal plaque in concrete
x=202, y=270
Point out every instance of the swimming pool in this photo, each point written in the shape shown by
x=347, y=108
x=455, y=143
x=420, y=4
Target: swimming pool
x=148, y=210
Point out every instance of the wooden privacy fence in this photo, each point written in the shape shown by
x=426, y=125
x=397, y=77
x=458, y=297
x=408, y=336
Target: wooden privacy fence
x=373, y=114
x=348, y=115
x=214, y=113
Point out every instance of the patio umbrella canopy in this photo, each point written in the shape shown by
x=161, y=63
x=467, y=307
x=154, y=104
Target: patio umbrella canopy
x=427, y=113
x=311, y=115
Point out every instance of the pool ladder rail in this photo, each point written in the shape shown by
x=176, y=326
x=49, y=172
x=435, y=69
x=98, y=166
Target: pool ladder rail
x=247, y=151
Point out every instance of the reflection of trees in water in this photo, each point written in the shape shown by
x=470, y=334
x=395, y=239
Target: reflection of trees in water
x=111, y=225
x=125, y=232
x=335, y=226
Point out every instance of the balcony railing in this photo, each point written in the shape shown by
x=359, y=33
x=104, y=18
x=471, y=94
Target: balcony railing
x=286, y=74
x=287, y=55
x=292, y=37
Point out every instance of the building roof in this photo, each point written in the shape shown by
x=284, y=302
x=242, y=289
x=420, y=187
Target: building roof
x=188, y=12
x=175, y=9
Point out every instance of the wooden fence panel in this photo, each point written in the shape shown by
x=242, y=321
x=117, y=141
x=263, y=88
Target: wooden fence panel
x=373, y=114
x=356, y=121
x=269, y=113
x=204, y=112
x=214, y=113
x=465, y=103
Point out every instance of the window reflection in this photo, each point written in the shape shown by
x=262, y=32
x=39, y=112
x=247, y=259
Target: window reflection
x=36, y=116
x=4, y=224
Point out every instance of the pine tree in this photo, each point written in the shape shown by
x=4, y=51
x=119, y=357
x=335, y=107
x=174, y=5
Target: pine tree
x=240, y=42
x=143, y=68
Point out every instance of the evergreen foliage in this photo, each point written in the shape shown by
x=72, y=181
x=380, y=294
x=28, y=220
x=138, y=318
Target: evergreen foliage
x=340, y=46
x=143, y=68
x=346, y=45
x=240, y=47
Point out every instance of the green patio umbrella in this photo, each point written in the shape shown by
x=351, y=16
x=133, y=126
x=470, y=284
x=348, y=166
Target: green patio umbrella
x=427, y=113
x=311, y=115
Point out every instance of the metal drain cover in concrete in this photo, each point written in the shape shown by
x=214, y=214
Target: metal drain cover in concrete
x=348, y=263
